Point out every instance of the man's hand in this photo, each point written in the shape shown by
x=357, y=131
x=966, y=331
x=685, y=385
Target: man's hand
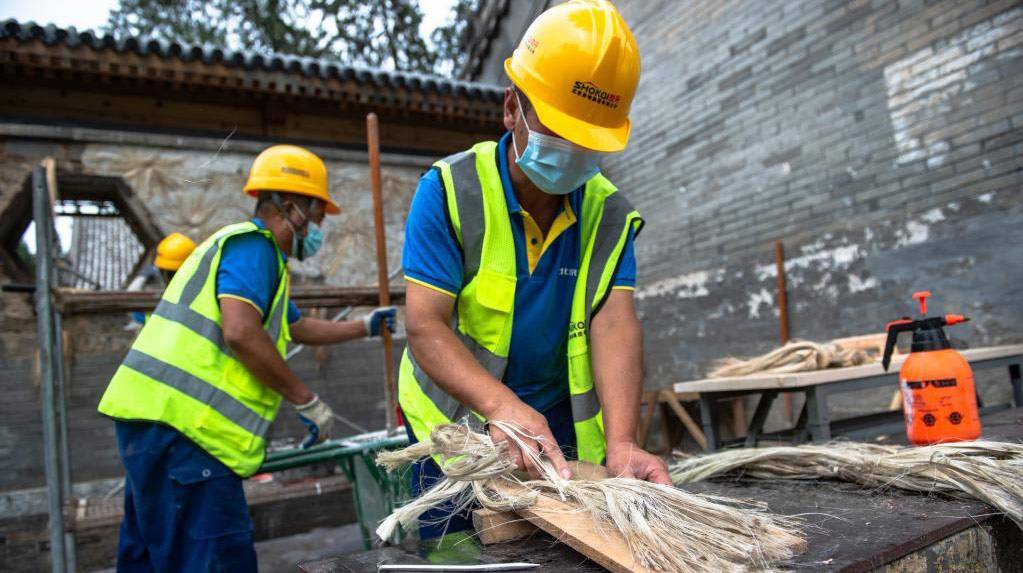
x=442, y=355
x=373, y=320
x=244, y=333
x=318, y=419
x=628, y=460
x=517, y=413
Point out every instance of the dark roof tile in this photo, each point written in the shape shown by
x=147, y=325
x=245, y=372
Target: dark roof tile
x=301, y=66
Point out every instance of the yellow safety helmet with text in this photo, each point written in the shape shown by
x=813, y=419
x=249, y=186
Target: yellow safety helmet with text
x=172, y=251
x=290, y=169
x=579, y=66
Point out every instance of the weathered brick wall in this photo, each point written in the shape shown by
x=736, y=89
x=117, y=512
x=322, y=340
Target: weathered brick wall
x=195, y=190
x=349, y=377
x=881, y=141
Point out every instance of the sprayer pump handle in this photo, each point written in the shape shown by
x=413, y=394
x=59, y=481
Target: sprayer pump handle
x=921, y=297
x=904, y=324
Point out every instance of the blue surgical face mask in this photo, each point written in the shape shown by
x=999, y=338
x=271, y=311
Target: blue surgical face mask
x=310, y=243
x=555, y=165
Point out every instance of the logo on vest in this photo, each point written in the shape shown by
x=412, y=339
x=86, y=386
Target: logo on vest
x=567, y=272
x=576, y=329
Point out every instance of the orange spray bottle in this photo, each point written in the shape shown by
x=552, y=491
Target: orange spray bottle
x=938, y=396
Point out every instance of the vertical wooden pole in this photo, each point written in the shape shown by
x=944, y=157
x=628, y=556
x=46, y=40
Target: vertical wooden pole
x=373, y=141
x=783, y=313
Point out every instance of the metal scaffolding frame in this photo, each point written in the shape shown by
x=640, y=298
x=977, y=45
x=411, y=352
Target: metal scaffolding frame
x=53, y=399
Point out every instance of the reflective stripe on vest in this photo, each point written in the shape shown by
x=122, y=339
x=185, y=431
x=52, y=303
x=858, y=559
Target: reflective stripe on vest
x=198, y=389
x=181, y=372
x=478, y=213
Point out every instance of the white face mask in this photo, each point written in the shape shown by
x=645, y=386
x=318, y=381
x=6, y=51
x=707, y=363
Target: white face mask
x=555, y=165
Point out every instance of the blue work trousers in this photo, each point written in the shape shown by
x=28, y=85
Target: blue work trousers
x=440, y=520
x=184, y=511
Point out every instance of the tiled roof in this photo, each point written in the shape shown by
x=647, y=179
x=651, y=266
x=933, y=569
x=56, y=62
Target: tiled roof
x=295, y=66
x=103, y=251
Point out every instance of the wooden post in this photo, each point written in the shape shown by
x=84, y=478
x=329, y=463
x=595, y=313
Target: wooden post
x=783, y=313
x=373, y=141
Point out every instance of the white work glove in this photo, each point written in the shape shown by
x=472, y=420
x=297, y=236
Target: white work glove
x=318, y=419
x=383, y=315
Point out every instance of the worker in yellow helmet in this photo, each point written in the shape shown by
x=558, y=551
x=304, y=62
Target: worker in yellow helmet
x=194, y=397
x=520, y=266
x=170, y=253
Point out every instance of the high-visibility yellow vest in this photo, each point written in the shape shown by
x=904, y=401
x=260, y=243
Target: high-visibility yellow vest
x=180, y=372
x=478, y=214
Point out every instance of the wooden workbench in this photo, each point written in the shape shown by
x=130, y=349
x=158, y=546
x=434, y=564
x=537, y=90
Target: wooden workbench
x=852, y=529
x=814, y=420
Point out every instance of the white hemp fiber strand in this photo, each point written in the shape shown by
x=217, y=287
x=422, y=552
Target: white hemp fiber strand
x=983, y=470
x=794, y=356
x=666, y=528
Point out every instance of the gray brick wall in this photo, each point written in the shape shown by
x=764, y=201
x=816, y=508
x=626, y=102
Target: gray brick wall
x=349, y=377
x=881, y=141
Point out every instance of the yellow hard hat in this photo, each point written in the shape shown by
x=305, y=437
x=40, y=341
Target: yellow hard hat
x=579, y=65
x=290, y=169
x=172, y=251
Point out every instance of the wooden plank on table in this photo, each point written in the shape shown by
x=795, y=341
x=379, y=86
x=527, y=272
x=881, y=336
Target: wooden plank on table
x=500, y=526
x=575, y=529
x=804, y=379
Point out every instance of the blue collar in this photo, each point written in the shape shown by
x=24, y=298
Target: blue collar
x=262, y=227
x=509, y=191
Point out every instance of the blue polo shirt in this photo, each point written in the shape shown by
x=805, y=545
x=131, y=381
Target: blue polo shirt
x=248, y=272
x=546, y=275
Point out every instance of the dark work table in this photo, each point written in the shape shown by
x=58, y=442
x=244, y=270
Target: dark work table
x=849, y=528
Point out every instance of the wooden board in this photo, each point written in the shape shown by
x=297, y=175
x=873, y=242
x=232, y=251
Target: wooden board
x=560, y=520
x=804, y=379
x=575, y=529
x=500, y=526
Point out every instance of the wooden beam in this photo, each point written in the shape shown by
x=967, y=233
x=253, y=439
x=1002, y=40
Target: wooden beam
x=783, y=314
x=173, y=78
x=687, y=420
x=216, y=114
x=73, y=301
x=574, y=528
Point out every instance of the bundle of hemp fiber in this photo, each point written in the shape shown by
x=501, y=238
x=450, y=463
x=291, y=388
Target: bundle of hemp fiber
x=666, y=528
x=794, y=356
x=987, y=471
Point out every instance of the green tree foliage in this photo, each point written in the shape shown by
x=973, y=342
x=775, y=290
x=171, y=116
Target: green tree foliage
x=450, y=40
x=377, y=33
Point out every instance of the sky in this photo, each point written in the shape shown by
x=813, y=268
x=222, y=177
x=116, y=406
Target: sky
x=93, y=13
x=79, y=13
